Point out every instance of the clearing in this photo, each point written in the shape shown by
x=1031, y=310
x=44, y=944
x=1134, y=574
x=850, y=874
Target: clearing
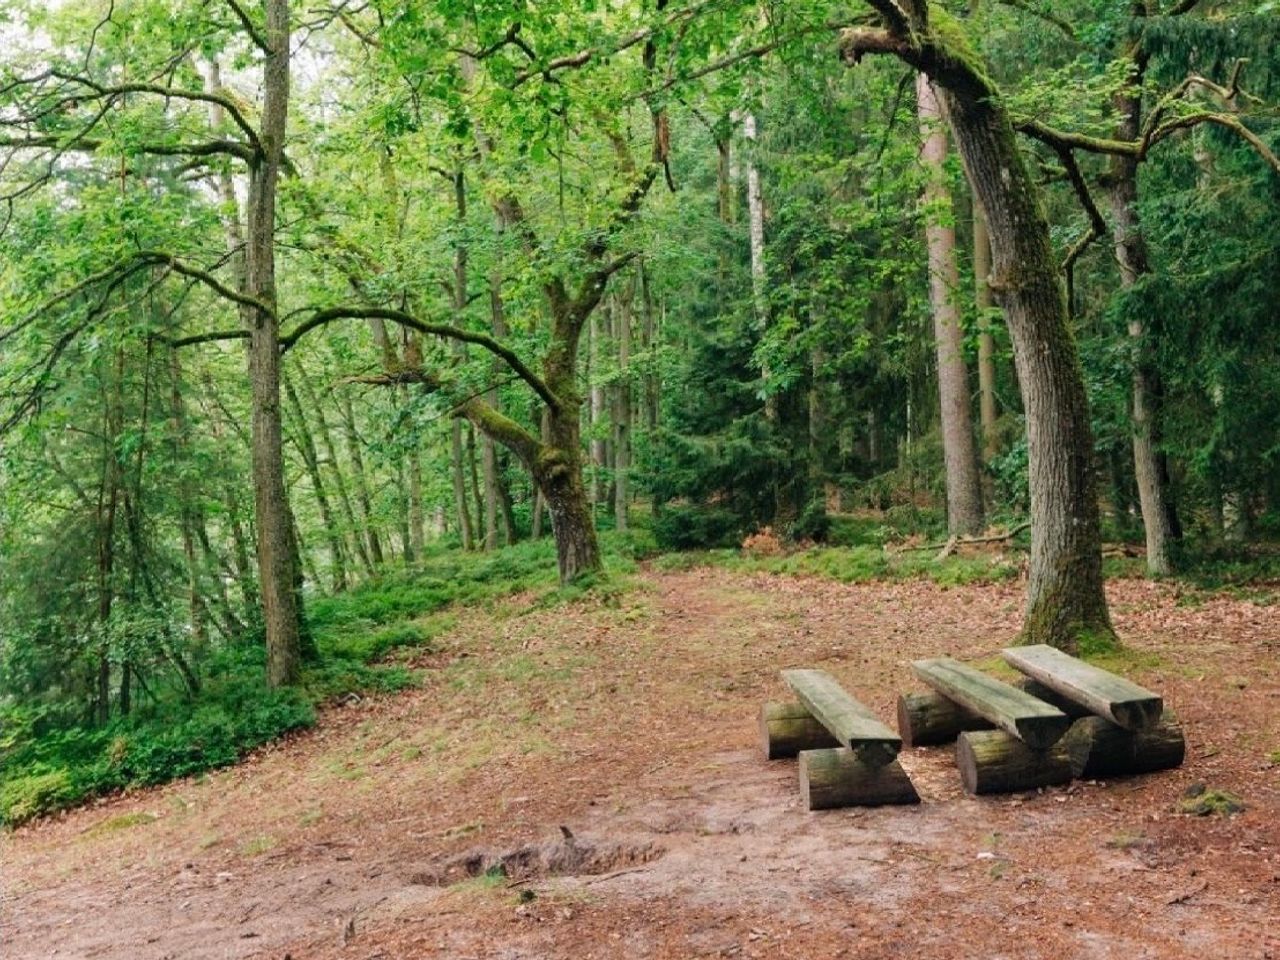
x=607, y=750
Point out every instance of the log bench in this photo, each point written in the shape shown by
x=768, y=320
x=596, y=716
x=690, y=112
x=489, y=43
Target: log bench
x=847, y=757
x=1101, y=692
x=1034, y=722
x=1121, y=728
x=1022, y=753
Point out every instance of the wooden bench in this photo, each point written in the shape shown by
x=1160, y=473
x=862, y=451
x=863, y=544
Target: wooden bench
x=1120, y=728
x=1103, y=693
x=1034, y=722
x=862, y=771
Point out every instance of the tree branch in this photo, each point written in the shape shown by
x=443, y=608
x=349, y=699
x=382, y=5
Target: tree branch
x=171, y=93
x=242, y=15
x=500, y=350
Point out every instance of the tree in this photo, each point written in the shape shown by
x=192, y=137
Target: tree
x=1064, y=593
x=964, y=488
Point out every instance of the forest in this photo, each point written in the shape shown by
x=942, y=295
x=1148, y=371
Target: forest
x=335, y=338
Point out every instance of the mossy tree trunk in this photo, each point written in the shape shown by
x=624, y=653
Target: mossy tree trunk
x=1064, y=596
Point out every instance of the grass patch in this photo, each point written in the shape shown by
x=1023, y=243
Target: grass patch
x=50, y=761
x=123, y=822
x=860, y=563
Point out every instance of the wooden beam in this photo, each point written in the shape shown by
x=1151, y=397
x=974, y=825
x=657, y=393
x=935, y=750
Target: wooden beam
x=1032, y=721
x=1106, y=695
x=852, y=724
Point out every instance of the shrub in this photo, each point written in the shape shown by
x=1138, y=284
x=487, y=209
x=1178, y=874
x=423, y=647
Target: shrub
x=33, y=794
x=688, y=527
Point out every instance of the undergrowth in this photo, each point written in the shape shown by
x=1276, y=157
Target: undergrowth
x=51, y=760
x=855, y=564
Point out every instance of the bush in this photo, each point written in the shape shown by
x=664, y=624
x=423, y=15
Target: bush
x=33, y=794
x=687, y=527
x=814, y=523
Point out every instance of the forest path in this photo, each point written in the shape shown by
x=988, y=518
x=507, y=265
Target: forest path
x=630, y=721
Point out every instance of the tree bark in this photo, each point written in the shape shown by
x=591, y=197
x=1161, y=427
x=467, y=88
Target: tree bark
x=964, y=487
x=307, y=447
x=1134, y=261
x=276, y=558
x=622, y=415
x=363, y=495
x=1064, y=591
x=986, y=341
x=417, y=520
x=339, y=480
x=759, y=270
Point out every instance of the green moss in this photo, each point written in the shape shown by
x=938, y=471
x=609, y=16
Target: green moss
x=1200, y=802
x=1094, y=643
x=122, y=822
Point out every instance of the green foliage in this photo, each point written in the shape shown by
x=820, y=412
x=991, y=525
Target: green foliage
x=692, y=527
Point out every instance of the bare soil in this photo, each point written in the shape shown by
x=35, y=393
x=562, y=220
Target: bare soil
x=604, y=754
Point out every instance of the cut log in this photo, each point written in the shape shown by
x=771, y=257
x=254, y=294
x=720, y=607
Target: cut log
x=1074, y=711
x=1100, y=748
x=992, y=761
x=852, y=724
x=788, y=728
x=927, y=719
x=1109, y=696
x=837, y=778
x=1032, y=721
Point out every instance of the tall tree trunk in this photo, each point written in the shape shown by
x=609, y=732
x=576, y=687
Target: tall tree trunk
x=986, y=341
x=307, y=447
x=364, y=497
x=622, y=416
x=473, y=473
x=1132, y=256
x=187, y=509
x=759, y=273
x=354, y=529
x=1065, y=598
x=539, y=501
x=281, y=608
x=559, y=475
x=964, y=488
x=595, y=362
x=652, y=382
x=489, y=465
x=108, y=501
x=417, y=519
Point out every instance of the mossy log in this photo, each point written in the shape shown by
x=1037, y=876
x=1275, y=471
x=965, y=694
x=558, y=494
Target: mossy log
x=992, y=761
x=927, y=719
x=836, y=777
x=1107, y=695
x=1100, y=748
x=788, y=728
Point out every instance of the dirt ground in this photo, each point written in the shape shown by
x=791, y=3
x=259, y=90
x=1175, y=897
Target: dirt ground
x=609, y=750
